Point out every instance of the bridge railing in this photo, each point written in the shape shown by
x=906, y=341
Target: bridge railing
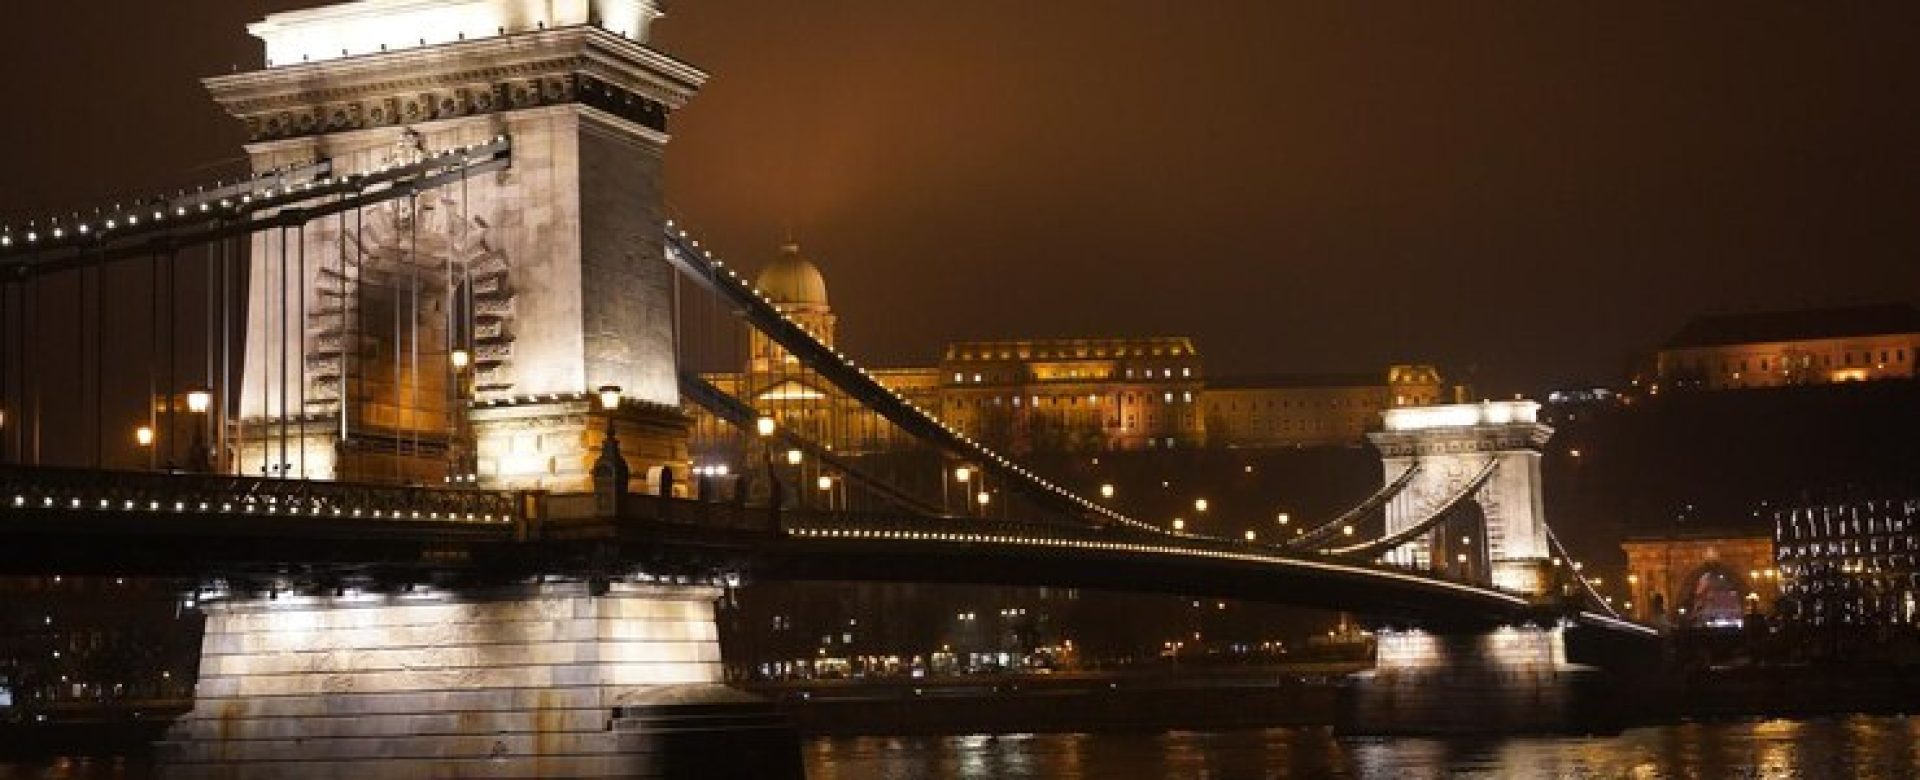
x=56, y=488
x=881, y=525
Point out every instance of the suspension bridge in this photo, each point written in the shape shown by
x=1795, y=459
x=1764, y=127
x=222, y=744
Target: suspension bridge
x=408, y=411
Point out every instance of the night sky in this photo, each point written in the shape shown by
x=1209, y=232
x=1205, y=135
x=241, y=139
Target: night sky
x=1526, y=191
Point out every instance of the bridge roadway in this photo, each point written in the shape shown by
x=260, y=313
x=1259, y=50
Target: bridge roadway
x=309, y=533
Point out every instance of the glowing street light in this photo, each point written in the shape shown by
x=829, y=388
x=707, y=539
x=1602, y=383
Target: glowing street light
x=609, y=397
x=1179, y=524
x=199, y=401
x=764, y=426
x=1346, y=530
x=1283, y=518
x=793, y=457
x=1251, y=535
x=962, y=474
x=824, y=482
x=1106, y=490
x=143, y=436
x=460, y=359
x=1199, y=505
x=984, y=497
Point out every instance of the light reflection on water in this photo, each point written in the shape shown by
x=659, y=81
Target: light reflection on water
x=1870, y=748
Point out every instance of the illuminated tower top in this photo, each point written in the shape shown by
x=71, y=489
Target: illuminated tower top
x=348, y=29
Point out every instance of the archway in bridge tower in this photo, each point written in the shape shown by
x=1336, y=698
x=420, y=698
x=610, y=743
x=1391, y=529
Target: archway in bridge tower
x=1460, y=544
x=1715, y=599
x=418, y=283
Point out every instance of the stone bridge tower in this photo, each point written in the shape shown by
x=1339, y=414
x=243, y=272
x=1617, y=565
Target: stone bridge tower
x=461, y=333
x=1453, y=445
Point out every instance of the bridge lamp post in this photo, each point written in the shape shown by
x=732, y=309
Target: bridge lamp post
x=143, y=436
x=825, y=483
x=610, y=474
x=763, y=426
x=1179, y=525
x=1106, y=490
x=1251, y=536
x=199, y=455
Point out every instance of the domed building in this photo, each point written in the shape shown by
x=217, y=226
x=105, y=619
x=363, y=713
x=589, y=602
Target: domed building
x=775, y=382
x=1054, y=394
x=798, y=290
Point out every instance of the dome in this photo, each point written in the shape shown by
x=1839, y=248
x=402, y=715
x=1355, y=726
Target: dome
x=792, y=279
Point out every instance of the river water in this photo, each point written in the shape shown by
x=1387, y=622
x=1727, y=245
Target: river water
x=1871, y=748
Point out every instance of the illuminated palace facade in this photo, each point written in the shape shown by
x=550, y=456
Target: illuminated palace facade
x=1042, y=395
x=1775, y=349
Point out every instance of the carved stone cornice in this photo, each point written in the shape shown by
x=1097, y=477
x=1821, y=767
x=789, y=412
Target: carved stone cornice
x=1507, y=437
x=584, y=65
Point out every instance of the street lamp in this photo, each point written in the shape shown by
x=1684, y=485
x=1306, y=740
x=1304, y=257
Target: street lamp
x=1251, y=535
x=763, y=426
x=460, y=359
x=199, y=456
x=143, y=436
x=1179, y=525
x=961, y=474
x=610, y=474
x=1106, y=490
x=1199, y=505
x=1283, y=518
x=1346, y=530
x=824, y=482
x=794, y=457
x=984, y=497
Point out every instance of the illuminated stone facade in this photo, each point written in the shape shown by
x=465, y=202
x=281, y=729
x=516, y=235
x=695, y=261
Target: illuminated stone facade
x=534, y=681
x=1453, y=445
x=1776, y=349
x=1314, y=410
x=1079, y=395
x=1703, y=577
x=548, y=275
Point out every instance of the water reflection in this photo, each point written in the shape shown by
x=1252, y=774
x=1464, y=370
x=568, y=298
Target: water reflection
x=1871, y=748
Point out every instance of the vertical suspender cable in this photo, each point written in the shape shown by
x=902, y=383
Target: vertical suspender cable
x=281, y=467
x=99, y=459
x=361, y=363
x=300, y=288
x=224, y=420
x=413, y=323
x=394, y=296
x=153, y=355
x=31, y=307
x=212, y=254
x=340, y=329
x=173, y=352
x=449, y=395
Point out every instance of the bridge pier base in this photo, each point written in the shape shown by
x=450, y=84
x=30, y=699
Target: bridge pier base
x=1508, y=679
x=532, y=681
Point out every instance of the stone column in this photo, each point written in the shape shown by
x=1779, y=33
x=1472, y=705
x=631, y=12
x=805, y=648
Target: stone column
x=530, y=681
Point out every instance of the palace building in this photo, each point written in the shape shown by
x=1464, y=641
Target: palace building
x=1057, y=394
x=1776, y=349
